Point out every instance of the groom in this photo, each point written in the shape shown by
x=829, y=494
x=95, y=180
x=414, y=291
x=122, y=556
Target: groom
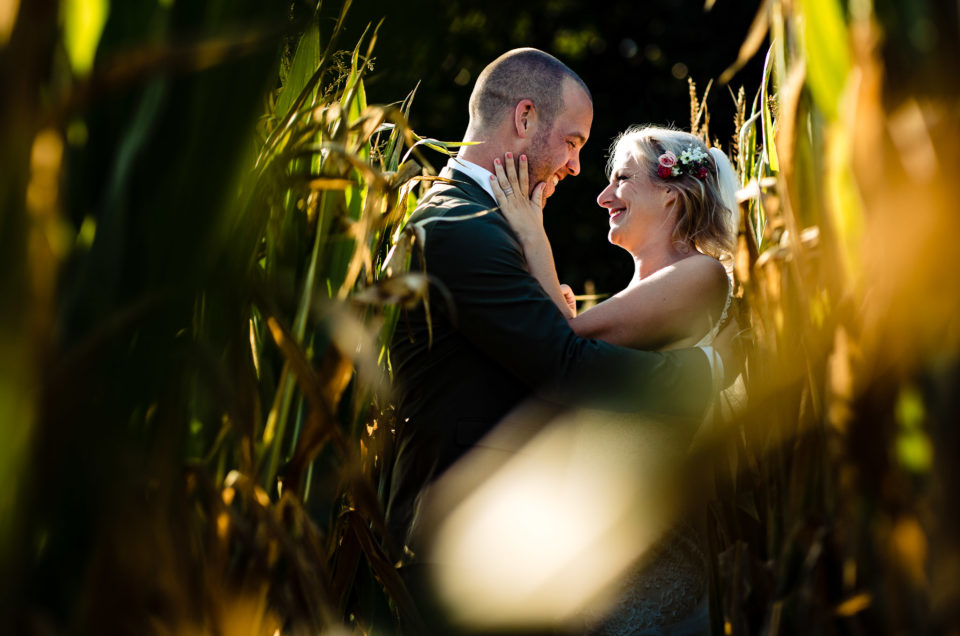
x=498, y=339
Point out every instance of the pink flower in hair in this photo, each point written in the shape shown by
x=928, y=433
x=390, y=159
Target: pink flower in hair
x=667, y=160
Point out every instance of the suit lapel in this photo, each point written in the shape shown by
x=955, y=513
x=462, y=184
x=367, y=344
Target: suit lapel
x=469, y=188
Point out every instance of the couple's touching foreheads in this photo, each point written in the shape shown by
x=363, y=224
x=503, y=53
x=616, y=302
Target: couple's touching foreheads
x=504, y=333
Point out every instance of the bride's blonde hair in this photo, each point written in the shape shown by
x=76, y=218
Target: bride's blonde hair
x=708, y=215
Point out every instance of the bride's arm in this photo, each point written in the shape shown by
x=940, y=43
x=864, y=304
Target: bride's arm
x=526, y=218
x=676, y=305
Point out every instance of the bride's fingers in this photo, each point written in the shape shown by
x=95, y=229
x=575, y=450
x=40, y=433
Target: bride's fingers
x=524, y=175
x=497, y=191
x=512, y=174
x=502, y=177
x=537, y=197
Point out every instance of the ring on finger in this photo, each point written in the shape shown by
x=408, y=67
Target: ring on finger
x=508, y=191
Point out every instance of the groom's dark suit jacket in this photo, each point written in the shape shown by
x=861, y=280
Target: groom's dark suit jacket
x=497, y=340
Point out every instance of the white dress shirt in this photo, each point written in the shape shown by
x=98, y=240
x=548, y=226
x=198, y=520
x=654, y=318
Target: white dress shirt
x=478, y=173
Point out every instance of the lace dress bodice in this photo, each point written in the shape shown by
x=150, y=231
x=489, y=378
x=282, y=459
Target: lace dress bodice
x=663, y=590
x=709, y=337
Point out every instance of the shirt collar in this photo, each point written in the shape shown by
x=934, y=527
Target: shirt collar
x=479, y=174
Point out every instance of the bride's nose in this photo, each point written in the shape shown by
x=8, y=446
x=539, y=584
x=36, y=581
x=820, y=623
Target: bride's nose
x=603, y=199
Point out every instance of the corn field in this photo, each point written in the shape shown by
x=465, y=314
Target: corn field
x=203, y=260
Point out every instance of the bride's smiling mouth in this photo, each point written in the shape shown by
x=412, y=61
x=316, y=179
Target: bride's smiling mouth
x=616, y=212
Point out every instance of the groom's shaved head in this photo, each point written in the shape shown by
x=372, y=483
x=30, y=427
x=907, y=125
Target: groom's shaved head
x=516, y=75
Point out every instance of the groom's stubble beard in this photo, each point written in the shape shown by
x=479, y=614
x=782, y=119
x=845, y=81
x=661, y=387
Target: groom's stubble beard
x=538, y=162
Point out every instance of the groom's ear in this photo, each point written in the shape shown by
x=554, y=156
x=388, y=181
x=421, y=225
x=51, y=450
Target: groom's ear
x=524, y=117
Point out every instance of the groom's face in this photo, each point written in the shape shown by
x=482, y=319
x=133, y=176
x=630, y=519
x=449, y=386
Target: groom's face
x=555, y=153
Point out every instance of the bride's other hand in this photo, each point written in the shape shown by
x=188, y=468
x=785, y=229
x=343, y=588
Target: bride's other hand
x=510, y=187
x=569, y=297
x=731, y=345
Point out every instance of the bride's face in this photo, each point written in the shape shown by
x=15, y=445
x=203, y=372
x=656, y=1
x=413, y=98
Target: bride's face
x=638, y=205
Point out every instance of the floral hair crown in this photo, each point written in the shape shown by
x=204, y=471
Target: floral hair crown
x=692, y=161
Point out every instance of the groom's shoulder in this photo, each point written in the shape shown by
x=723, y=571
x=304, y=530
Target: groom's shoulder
x=446, y=210
x=445, y=200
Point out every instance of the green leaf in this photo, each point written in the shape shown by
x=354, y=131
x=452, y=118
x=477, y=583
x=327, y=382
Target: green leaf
x=305, y=62
x=826, y=49
x=769, y=147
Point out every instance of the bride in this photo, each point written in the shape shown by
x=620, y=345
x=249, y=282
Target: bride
x=671, y=205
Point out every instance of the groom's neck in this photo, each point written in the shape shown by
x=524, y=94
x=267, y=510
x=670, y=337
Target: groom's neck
x=490, y=144
x=481, y=154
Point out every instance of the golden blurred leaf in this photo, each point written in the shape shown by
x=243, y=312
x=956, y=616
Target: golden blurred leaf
x=8, y=17
x=908, y=543
x=854, y=605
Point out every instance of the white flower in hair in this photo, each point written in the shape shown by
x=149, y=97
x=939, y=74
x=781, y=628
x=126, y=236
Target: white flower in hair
x=692, y=161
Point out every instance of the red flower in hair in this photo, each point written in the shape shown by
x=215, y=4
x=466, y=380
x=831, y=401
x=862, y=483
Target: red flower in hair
x=664, y=172
x=702, y=172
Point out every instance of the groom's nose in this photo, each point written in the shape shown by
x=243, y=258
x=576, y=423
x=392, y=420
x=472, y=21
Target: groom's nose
x=573, y=165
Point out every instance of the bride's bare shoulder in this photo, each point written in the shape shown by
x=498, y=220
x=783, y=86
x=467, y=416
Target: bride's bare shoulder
x=700, y=262
x=698, y=284
x=697, y=272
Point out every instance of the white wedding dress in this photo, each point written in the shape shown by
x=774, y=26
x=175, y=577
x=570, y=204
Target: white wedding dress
x=665, y=592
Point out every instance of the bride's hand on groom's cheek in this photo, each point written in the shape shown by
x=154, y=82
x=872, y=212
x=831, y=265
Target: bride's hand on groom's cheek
x=510, y=186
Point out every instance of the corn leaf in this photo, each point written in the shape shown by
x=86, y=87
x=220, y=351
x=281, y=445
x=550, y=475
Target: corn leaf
x=826, y=51
x=304, y=64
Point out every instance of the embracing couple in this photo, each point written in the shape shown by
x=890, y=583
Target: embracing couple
x=506, y=330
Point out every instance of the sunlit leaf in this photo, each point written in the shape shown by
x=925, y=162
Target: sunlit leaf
x=844, y=199
x=826, y=50
x=769, y=135
x=83, y=22
x=330, y=183
x=302, y=68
